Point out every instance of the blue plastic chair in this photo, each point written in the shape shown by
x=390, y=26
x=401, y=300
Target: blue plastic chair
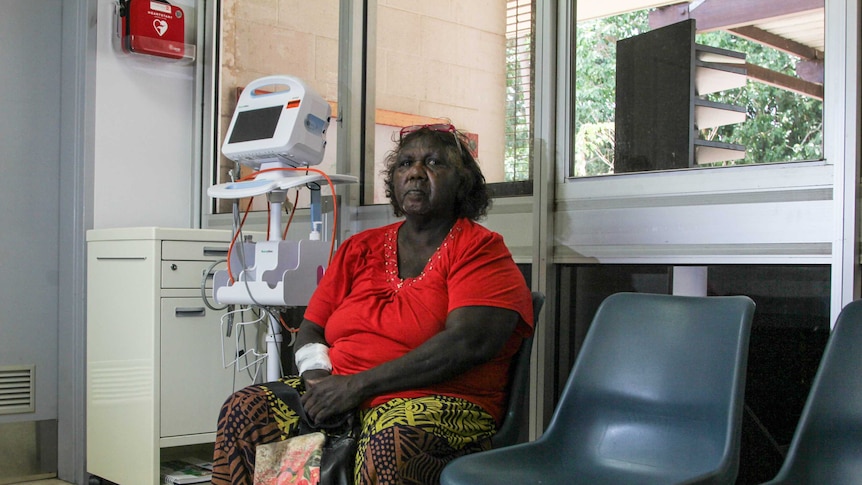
x=519, y=382
x=827, y=445
x=655, y=397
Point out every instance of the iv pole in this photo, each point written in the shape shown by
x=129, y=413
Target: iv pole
x=274, y=338
x=281, y=132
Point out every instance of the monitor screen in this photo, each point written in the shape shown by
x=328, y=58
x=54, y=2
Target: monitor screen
x=258, y=124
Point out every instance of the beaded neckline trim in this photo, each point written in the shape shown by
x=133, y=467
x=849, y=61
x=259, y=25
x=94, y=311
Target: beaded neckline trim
x=390, y=246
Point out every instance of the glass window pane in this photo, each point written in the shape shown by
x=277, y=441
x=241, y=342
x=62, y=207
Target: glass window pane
x=257, y=39
x=775, y=115
x=466, y=62
x=788, y=337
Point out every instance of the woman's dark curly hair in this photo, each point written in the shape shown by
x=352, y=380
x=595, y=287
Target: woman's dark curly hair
x=473, y=200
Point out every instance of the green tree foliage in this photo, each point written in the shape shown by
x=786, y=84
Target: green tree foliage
x=518, y=122
x=780, y=126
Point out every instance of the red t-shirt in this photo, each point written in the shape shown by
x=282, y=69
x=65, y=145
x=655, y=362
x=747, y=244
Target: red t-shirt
x=372, y=316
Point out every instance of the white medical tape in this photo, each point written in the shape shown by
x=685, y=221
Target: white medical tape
x=311, y=357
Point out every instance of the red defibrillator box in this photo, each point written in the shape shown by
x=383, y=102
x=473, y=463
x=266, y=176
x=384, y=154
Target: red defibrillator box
x=153, y=27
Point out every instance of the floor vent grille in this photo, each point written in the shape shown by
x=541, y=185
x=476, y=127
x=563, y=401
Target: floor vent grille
x=17, y=389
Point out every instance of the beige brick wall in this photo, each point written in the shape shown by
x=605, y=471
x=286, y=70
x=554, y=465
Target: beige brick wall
x=446, y=58
x=436, y=58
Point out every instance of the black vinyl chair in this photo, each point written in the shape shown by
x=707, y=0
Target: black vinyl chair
x=655, y=397
x=827, y=445
x=519, y=383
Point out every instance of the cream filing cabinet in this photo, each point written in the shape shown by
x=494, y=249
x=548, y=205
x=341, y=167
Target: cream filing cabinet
x=155, y=380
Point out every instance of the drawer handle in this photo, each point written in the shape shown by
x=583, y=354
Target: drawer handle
x=121, y=258
x=213, y=251
x=190, y=312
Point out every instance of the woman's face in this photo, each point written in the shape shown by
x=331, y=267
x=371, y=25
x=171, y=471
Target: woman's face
x=426, y=179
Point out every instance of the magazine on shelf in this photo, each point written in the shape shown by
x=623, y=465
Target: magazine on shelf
x=186, y=470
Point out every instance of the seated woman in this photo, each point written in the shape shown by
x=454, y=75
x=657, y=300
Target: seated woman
x=413, y=325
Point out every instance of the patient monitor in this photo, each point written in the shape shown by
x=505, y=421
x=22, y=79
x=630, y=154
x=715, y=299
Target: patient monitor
x=286, y=125
x=279, y=130
x=279, y=123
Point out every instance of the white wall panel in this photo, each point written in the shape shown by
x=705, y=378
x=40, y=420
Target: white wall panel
x=29, y=187
x=512, y=217
x=145, y=120
x=748, y=214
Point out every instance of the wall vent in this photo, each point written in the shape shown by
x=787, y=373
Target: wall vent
x=17, y=389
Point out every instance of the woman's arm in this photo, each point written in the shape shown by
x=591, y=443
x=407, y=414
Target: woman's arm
x=473, y=336
x=311, y=333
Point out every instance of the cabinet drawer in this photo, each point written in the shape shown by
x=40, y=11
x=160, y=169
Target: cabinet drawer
x=194, y=384
x=194, y=250
x=187, y=274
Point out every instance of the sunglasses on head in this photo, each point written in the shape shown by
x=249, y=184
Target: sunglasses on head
x=438, y=127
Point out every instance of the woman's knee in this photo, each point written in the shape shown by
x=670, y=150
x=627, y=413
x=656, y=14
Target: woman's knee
x=242, y=408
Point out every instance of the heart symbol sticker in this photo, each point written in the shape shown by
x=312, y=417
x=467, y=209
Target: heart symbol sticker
x=161, y=26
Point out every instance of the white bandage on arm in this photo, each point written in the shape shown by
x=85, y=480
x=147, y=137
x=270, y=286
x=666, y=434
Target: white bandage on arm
x=311, y=357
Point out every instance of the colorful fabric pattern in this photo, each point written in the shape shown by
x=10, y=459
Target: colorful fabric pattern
x=403, y=441
x=410, y=441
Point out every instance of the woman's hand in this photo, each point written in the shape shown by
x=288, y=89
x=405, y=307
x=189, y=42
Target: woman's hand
x=311, y=377
x=329, y=396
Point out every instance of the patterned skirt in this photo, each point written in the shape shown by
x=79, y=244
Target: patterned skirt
x=403, y=441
